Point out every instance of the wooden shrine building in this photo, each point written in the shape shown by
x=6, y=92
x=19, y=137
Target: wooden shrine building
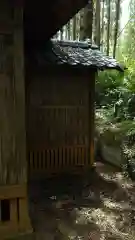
x=60, y=89
x=46, y=101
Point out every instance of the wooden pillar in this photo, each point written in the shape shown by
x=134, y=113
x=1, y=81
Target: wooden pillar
x=13, y=164
x=19, y=94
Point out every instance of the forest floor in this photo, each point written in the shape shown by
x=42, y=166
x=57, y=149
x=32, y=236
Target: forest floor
x=102, y=207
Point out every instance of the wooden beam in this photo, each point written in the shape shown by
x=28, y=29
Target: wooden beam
x=72, y=7
x=13, y=191
x=38, y=18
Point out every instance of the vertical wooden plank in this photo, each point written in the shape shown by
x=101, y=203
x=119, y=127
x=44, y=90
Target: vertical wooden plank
x=79, y=155
x=60, y=155
x=65, y=156
x=93, y=119
x=52, y=159
x=72, y=156
x=39, y=161
x=63, y=163
x=0, y=210
x=68, y=156
x=54, y=156
x=1, y=160
x=83, y=155
x=31, y=161
x=76, y=156
x=20, y=130
x=58, y=159
x=13, y=212
x=48, y=160
x=7, y=167
x=92, y=152
x=24, y=221
x=54, y=162
x=91, y=116
x=44, y=159
x=35, y=161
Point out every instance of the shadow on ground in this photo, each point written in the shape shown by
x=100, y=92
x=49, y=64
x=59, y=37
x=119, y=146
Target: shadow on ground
x=98, y=206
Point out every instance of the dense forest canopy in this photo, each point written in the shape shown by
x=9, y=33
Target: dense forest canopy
x=104, y=23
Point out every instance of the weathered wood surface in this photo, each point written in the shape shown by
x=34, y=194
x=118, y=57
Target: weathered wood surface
x=38, y=15
x=58, y=120
x=91, y=116
x=12, y=97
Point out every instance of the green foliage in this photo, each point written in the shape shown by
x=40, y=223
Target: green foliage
x=108, y=87
x=129, y=79
x=110, y=79
x=115, y=102
x=117, y=90
x=115, y=96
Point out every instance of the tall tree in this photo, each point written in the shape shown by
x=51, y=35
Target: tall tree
x=97, y=24
x=74, y=27
x=108, y=26
x=78, y=25
x=86, y=20
x=112, y=25
x=61, y=33
x=129, y=33
x=81, y=32
x=116, y=26
x=102, y=19
x=68, y=30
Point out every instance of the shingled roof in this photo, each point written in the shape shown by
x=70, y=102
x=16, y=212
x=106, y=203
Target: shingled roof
x=78, y=54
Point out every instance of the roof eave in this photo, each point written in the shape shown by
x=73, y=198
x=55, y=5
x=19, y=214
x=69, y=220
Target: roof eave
x=42, y=19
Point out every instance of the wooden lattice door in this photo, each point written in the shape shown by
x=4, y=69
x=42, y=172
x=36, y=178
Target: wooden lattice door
x=57, y=123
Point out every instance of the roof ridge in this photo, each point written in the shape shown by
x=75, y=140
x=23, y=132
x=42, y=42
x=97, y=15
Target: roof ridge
x=75, y=43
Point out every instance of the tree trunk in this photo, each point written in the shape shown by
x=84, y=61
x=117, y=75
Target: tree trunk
x=56, y=35
x=108, y=26
x=78, y=26
x=68, y=30
x=102, y=31
x=82, y=35
x=116, y=26
x=87, y=21
x=74, y=28
x=61, y=34
x=97, y=24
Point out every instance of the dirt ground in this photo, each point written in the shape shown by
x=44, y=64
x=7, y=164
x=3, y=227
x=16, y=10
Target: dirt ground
x=99, y=207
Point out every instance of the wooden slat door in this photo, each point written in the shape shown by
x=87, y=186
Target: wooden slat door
x=57, y=123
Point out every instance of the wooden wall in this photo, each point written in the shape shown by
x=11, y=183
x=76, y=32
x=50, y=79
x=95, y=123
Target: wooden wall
x=58, y=119
x=12, y=96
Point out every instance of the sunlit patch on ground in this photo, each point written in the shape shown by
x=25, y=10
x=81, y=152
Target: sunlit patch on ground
x=106, y=221
x=102, y=210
